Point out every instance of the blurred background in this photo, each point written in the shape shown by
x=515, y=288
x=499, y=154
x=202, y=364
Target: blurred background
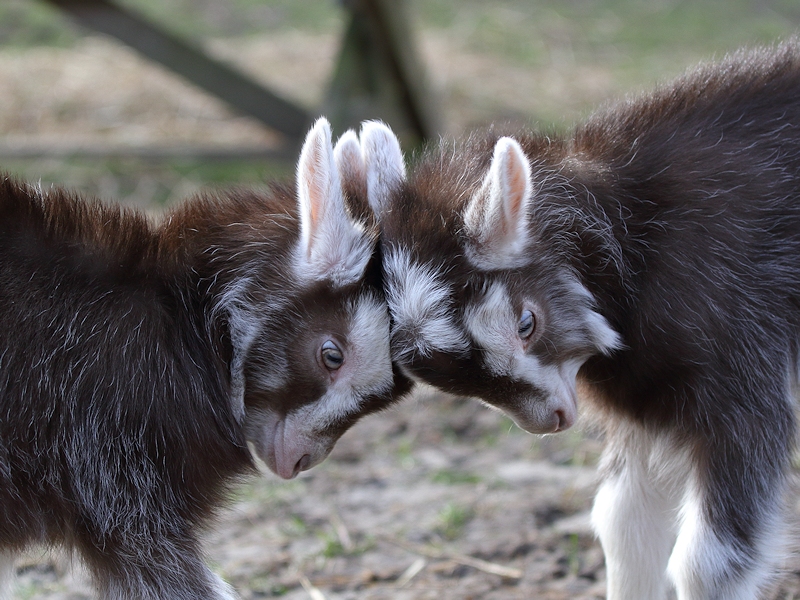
x=82, y=109
x=439, y=497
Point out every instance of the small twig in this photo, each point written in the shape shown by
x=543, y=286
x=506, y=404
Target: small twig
x=487, y=567
x=309, y=587
x=412, y=571
x=469, y=561
x=342, y=533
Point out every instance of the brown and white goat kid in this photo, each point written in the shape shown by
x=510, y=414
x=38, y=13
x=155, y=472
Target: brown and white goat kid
x=653, y=258
x=137, y=360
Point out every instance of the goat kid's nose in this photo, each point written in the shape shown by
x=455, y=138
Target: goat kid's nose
x=302, y=464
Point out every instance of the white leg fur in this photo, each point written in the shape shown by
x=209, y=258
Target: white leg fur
x=6, y=574
x=634, y=516
x=649, y=516
x=632, y=521
x=222, y=589
x=702, y=564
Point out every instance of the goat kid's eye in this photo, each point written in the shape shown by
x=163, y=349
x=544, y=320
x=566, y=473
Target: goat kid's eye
x=527, y=323
x=332, y=356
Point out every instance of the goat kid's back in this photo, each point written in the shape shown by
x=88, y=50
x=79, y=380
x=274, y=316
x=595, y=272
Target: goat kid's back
x=653, y=257
x=137, y=360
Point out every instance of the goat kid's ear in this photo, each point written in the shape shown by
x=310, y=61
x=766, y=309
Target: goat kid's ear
x=332, y=245
x=353, y=172
x=384, y=162
x=349, y=160
x=496, y=218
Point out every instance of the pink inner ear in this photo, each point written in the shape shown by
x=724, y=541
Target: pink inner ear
x=517, y=183
x=313, y=174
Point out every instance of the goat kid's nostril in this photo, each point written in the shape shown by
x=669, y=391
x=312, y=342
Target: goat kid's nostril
x=561, y=424
x=302, y=464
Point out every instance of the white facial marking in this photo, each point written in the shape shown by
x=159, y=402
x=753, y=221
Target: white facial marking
x=420, y=302
x=367, y=369
x=492, y=323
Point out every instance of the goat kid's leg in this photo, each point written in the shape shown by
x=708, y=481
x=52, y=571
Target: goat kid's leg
x=730, y=541
x=634, y=515
x=198, y=583
x=169, y=571
x=223, y=590
x=7, y=560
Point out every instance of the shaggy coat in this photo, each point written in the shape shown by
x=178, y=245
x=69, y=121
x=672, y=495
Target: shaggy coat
x=139, y=358
x=651, y=259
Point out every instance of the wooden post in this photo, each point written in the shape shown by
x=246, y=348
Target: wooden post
x=213, y=76
x=380, y=76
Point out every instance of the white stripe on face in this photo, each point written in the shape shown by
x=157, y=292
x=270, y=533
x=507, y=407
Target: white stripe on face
x=420, y=304
x=366, y=371
x=493, y=324
x=310, y=430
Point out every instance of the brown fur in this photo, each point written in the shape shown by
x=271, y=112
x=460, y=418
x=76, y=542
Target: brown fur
x=678, y=211
x=117, y=434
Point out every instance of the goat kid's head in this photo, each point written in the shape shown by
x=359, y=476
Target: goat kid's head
x=479, y=306
x=320, y=360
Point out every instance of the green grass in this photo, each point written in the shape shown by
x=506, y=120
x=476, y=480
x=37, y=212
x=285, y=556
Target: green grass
x=630, y=44
x=34, y=22
x=452, y=520
x=628, y=30
x=520, y=30
x=145, y=182
x=455, y=477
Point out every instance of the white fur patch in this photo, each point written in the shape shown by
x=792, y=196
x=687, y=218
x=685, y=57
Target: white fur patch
x=384, y=162
x=496, y=217
x=369, y=344
x=493, y=325
x=222, y=590
x=332, y=246
x=605, y=339
x=634, y=514
x=367, y=369
x=701, y=564
x=420, y=303
x=7, y=560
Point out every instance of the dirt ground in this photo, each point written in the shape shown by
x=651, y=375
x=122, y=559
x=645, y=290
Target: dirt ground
x=437, y=498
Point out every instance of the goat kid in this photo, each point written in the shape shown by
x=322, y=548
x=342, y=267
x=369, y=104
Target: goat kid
x=651, y=259
x=137, y=360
